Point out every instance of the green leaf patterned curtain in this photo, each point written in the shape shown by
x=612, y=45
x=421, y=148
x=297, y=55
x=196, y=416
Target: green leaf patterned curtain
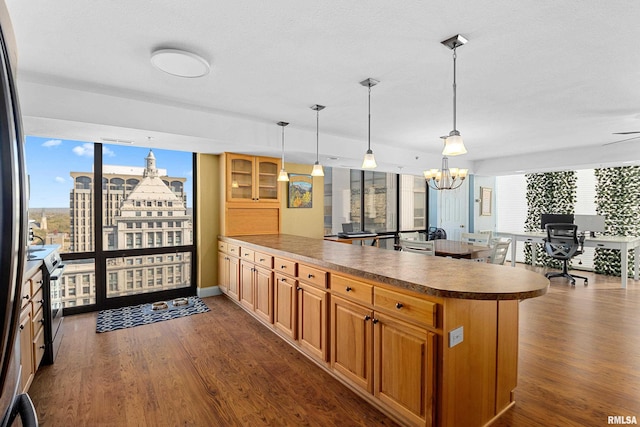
x=552, y=193
x=618, y=199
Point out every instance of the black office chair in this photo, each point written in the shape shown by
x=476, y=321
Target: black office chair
x=563, y=243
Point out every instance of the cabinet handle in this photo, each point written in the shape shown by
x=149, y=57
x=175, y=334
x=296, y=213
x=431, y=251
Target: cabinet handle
x=41, y=321
x=375, y=321
x=262, y=259
x=42, y=347
x=25, y=297
x=21, y=327
x=399, y=305
x=367, y=318
x=283, y=279
x=310, y=276
x=41, y=301
x=298, y=288
x=282, y=267
x=40, y=282
x=348, y=289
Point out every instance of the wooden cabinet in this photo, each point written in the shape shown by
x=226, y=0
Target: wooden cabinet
x=312, y=320
x=285, y=305
x=228, y=269
x=252, y=178
x=256, y=290
x=251, y=195
x=404, y=369
x=31, y=329
x=386, y=356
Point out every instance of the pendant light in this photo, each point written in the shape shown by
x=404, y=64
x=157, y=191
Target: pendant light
x=369, y=161
x=453, y=144
x=283, y=175
x=317, y=167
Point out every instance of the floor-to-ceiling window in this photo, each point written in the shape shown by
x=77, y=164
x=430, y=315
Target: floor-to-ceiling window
x=380, y=202
x=123, y=217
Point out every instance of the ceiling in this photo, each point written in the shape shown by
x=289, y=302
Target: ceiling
x=542, y=85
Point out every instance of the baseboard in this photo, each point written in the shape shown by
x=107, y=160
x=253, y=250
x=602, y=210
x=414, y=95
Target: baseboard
x=210, y=291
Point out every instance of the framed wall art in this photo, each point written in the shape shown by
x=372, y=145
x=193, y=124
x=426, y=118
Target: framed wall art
x=300, y=191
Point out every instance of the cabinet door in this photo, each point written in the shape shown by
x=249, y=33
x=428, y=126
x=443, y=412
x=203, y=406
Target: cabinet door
x=26, y=352
x=312, y=321
x=267, y=179
x=263, y=305
x=233, y=283
x=240, y=178
x=246, y=284
x=285, y=304
x=351, y=342
x=223, y=272
x=404, y=368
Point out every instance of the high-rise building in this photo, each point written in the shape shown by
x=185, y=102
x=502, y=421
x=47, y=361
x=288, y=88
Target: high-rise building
x=142, y=208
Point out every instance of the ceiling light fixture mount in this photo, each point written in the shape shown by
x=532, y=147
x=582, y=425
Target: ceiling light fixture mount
x=369, y=161
x=180, y=63
x=453, y=144
x=317, y=167
x=283, y=175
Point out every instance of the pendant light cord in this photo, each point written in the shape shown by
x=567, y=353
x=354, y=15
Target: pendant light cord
x=317, y=136
x=454, y=88
x=369, y=128
x=282, y=147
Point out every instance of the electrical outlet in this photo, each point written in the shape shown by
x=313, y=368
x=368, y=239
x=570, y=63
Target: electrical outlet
x=456, y=336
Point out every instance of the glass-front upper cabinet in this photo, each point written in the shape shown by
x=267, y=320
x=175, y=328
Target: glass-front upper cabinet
x=252, y=178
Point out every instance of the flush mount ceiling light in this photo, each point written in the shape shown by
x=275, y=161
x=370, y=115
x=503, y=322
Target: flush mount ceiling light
x=283, y=175
x=317, y=167
x=453, y=144
x=180, y=63
x=369, y=161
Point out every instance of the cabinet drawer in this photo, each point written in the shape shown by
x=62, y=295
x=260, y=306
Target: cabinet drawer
x=352, y=289
x=313, y=276
x=285, y=266
x=233, y=249
x=222, y=246
x=38, y=321
x=25, y=294
x=38, y=300
x=38, y=347
x=247, y=254
x=409, y=306
x=263, y=260
x=36, y=282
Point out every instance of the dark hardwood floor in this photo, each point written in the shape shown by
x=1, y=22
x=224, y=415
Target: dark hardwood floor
x=579, y=362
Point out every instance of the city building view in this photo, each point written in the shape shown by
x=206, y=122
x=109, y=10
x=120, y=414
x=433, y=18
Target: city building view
x=142, y=208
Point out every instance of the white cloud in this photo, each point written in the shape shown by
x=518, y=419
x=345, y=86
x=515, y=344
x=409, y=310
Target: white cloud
x=84, y=150
x=107, y=152
x=60, y=179
x=52, y=143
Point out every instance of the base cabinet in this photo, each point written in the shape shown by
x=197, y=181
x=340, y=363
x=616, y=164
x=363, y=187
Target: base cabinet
x=285, y=305
x=312, y=321
x=31, y=329
x=387, y=357
x=256, y=290
x=228, y=270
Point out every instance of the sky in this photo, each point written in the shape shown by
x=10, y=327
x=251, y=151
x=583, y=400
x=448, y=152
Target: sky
x=50, y=161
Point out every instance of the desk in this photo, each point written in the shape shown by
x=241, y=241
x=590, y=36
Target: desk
x=350, y=240
x=622, y=243
x=456, y=249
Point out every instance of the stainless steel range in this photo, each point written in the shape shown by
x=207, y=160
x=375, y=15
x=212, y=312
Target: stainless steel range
x=52, y=270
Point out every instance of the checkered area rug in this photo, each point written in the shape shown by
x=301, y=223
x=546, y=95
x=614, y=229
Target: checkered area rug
x=128, y=317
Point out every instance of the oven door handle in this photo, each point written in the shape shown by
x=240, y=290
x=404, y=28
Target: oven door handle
x=55, y=274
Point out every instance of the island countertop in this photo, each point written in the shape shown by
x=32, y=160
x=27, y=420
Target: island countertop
x=430, y=275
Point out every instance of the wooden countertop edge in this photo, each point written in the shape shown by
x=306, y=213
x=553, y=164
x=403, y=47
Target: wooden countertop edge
x=402, y=284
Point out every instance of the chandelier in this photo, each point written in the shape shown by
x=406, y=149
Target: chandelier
x=445, y=178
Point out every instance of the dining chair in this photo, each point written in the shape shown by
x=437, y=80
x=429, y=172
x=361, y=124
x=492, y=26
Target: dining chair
x=425, y=247
x=499, y=249
x=480, y=239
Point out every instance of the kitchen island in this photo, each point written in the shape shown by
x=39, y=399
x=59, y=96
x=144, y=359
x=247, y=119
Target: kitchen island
x=428, y=340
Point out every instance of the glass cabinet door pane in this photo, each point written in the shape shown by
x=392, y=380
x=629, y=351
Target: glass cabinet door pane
x=241, y=179
x=268, y=179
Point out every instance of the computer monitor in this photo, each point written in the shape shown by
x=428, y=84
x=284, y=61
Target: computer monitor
x=555, y=219
x=591, y=223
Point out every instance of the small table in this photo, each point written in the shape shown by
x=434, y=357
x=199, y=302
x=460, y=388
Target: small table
x=456, y=249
